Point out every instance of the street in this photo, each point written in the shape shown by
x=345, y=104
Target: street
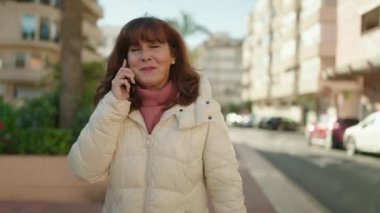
x=297, y=178
x=280, y=173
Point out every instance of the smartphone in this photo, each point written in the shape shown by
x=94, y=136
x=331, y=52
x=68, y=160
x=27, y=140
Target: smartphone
x=132, y=90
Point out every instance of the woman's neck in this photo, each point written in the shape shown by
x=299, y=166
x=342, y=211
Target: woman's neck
x=154, y=103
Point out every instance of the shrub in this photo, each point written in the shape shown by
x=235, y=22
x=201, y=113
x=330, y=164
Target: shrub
x=38, y=141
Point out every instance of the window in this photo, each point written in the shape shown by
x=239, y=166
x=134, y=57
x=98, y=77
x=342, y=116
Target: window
x=27, y=92
x=56, y=3
x=20, y=60
x=371, y=20
x=35, y=61
x=311, y=36
x=310, y=68
x=309, y=7
x=288, y=49
x=54, y=32
x=47, y=2
x=289, y=19
x=44, y=29
x=29, y=24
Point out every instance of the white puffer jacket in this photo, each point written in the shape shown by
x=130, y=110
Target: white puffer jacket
x=187, y=155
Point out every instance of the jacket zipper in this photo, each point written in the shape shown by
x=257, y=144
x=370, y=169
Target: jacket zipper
x=148, y=144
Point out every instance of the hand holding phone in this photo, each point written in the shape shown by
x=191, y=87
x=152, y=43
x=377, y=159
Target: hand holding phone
x=132, y=88
x=123, y=84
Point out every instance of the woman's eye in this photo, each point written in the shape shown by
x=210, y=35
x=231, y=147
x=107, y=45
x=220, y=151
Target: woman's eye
x=154, y=46
x=134, y=49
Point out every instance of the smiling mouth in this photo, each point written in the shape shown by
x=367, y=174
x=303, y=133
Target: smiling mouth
x=147, y=68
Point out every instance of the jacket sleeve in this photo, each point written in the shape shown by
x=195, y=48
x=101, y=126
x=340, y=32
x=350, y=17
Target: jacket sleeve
x=223, y=180
x=91, y=155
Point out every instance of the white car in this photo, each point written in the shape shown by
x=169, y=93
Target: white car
x=363, y=137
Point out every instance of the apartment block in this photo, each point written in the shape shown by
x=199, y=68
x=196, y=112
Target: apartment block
x=30, y=44
x=290, y=42
x=357, y=58
x=219, y=58
x=110, y=34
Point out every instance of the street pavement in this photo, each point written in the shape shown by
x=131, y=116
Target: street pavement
x=257, y=176
x=255, y=200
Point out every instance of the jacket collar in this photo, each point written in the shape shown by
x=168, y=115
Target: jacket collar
x=200, y=112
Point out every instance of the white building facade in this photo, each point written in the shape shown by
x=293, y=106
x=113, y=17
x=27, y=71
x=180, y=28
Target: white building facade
x=219, y=58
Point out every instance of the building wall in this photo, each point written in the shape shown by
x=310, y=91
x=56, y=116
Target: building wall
x=366, y=45
x=110, y=34
x=259, y=76
x=291, y=41
x=358, y=57
x=29, y=45
x=318, y=43
x=219, y=58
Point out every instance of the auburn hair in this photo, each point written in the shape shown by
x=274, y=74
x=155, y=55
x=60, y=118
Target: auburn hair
x=184, y=77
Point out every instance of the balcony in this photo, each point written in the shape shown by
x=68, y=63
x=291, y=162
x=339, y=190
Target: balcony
x=321, y=15
x=308, y=81
x=92, y=34
x=93, y=7
x=258, y=94
x=309, y=19
x=31, y=44
x=23, y=76
x=289, y=6
x=285, y=85
x=309, y=52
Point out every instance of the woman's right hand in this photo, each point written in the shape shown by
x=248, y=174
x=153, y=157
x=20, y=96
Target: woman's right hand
x=120, y=85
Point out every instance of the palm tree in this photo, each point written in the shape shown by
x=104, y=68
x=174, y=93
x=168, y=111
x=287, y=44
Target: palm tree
x=187, y=26
x=70, y=78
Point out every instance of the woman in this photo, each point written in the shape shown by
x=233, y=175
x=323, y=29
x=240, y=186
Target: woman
x=156, y=133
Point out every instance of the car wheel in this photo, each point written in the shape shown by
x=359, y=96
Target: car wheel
x=350, y=147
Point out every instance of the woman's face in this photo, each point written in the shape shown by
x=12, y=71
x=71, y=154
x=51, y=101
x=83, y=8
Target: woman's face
x=150, y=61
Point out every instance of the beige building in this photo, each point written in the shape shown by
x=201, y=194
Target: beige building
x=110, y=34
x=29, y=43
x=219, y=58
x=290, y=42
x=357, y=59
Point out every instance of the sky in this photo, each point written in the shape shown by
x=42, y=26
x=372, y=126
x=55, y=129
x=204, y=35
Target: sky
x=228, y=16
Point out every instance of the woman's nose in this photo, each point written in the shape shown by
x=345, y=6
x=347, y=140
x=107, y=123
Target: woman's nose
x=145, y=55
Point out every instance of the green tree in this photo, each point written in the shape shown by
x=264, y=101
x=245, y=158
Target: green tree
x=187, y=26
x=94, y=72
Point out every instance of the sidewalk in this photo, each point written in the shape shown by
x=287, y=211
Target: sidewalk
x=266, y=190
x=255, y=199
x=45, y=207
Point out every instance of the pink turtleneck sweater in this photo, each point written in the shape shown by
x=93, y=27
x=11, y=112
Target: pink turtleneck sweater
x=154, y=103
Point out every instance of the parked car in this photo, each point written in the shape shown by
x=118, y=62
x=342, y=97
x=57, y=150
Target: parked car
x=319, y=133
x=279, y=123
x=262, y=122
x=240, y=120
x=328, y=132
x=364, y=137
